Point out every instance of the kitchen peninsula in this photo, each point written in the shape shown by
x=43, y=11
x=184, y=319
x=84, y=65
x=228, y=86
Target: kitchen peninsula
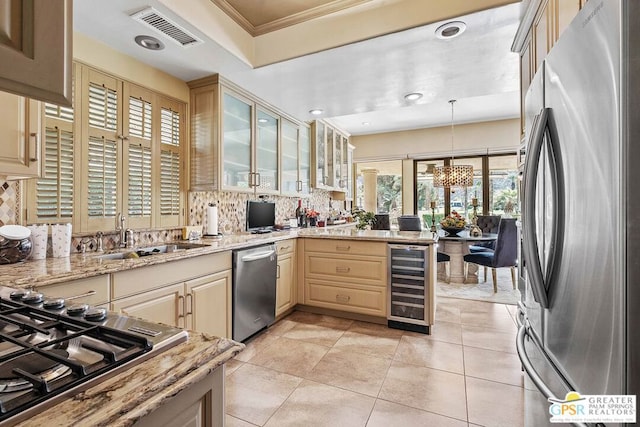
x=339, y=270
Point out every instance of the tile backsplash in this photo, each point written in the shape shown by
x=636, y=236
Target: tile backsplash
x=9, y=202
x=232, y=207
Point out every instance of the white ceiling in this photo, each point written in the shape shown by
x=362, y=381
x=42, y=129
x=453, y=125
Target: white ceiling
x=356, y=83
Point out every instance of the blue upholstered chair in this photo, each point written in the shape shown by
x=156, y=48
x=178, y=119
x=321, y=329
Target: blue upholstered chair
x=486, y=224
x=409, y=223
x=381, y=223
x=442, y=257
x=504, y=255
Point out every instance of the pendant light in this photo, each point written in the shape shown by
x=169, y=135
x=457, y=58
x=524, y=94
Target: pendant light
x=453, y=175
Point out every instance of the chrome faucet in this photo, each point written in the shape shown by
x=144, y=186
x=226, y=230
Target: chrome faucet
x=123, y=231
x=85, y=242
x=98, y=238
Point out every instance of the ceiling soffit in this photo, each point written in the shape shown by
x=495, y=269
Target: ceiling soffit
x=264, y=16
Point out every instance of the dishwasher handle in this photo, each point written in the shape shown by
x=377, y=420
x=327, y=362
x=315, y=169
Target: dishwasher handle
x=257, y=256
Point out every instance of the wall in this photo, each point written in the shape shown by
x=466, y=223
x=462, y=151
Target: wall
x=471, y=138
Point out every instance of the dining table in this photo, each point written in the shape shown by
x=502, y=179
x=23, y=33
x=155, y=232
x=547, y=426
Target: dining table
x=457, y=246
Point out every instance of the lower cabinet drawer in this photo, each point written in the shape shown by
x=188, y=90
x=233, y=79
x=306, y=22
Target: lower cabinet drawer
x=91, y=290
x=366, y=270
x=364, y=300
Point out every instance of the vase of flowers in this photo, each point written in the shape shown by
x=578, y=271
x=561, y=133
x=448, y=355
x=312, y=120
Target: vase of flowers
x=312, y=217
x=453, y=224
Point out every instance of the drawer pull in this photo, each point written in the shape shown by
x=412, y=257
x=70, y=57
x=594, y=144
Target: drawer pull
x=342, y=298
x=87, y=294
x=284, y=248
x=343, y=248
x=343, y=269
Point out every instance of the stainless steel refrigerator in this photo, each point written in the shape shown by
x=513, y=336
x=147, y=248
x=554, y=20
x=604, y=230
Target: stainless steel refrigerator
x=579, y=315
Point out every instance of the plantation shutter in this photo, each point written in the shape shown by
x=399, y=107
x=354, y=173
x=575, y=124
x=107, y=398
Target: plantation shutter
x=170, y=161
x=139, y=158
x=54, y=190
x=102, y=177
x=103, y=107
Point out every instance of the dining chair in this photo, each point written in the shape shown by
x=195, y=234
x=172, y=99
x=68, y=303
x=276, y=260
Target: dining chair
x=442, y=257
x=409, y=223
x=381, y=222
x=504, y=255
x=486, y=224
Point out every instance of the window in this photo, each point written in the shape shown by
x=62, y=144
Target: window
x=504, y=194
x=388, y=187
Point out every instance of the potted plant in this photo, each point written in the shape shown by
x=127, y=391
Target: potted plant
x=364, y=218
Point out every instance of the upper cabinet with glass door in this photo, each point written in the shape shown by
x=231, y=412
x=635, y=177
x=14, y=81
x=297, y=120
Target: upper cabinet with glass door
x=296, y=157
x=329, y=168
x=237, y=115
x=265, y=172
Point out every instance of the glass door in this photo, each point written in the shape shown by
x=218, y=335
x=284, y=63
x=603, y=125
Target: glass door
x=289, y=158
x=236, y=141
x=330, y=158
x=304, y=145
x=266, y=154
x=337, y=161
x=320, y=166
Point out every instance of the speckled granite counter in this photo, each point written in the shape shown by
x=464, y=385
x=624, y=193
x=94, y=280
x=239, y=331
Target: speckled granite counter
x=392, y=236
x=131, y=394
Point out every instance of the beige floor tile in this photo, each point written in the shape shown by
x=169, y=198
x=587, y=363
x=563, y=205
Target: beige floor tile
x=352, y=371
x=230, y=421
x=430, y=354
x=290, y=356
x=254, y=393
x=493, y=365
x=493, y=404
x=320, y=319
x=319, y=405
x=375, y=330
x=442, y=331
x=496, y=318
x=282, y=326
x=428, y=389
x=388, y=414
x=447, y=312
x=256, y=345
x=316, y=334
x=368, y=344
x=488, y=338
x=231, y=366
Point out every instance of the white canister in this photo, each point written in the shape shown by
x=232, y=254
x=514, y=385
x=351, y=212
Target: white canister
x=39, y=235
x=61, y=240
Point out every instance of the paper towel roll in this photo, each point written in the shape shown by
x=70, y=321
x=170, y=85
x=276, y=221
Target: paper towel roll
x=212, y=220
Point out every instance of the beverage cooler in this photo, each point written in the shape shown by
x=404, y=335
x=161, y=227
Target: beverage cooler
x=411, y=284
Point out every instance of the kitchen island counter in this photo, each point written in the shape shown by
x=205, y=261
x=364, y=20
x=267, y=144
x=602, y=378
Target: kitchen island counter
x=134, y=393
x=392, y=236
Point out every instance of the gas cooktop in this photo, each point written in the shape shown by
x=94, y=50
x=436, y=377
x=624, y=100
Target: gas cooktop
x=51, y=349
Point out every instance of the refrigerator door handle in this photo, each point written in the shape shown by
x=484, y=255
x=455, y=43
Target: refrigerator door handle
x=530, y=247
x=530, y=370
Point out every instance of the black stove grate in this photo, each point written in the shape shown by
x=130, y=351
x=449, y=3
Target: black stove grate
x=19, y=322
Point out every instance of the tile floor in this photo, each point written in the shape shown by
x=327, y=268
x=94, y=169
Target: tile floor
x=313, y=370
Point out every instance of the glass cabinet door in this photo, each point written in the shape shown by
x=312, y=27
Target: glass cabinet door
x=236, y=142
x=304, y=145
x=349, y=181
x=266, y=155
x=337, y=161
x=345, y=164
x=330, y=158
x=289, y=162
x=321, y=159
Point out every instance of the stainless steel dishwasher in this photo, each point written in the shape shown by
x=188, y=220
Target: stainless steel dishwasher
x=254, y=290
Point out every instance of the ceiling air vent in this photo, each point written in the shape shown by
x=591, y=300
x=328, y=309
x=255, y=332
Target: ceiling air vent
x=155, y=20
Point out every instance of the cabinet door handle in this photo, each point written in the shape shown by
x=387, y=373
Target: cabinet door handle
x=340, y=269
x=342, y=298
x=277, y=271
x=189, y=306
x=343, y=248
x=180, y=311
x=34, y=155
x=299, y=186
x=258, y=181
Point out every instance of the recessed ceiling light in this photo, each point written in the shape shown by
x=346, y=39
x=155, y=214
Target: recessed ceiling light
x=149, y=42
x=316, y=112
x=450, y=29
x=413, y=96
x=365, y=123
x=262, y=120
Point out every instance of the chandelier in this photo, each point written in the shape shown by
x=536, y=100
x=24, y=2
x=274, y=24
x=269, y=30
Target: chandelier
x=453, y=175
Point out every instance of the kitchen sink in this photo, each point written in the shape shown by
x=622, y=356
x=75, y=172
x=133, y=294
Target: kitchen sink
x=152, y=250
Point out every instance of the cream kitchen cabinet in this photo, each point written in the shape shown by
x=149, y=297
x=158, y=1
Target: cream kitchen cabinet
x=21, y=136
x=346, y=275
x=35, y=49
x=286, y=276
x=236, y=141
x=296, y=159
x=330, y=147
x=94, y=290
x=193, y=293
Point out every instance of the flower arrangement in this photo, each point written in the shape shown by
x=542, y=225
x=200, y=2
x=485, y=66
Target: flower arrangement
x=455, y=220
x=312, y=214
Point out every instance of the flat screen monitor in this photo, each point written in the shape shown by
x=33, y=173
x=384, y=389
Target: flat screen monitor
x=261, y=216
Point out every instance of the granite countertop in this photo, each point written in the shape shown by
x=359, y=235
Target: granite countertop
x=135, y=392
x=392, y=236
